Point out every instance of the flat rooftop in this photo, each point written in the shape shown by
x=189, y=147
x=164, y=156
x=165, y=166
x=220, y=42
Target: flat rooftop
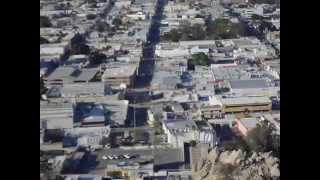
x=74, y=89
x=248, y=84
x=116, y=111
x=230, y=73
x=71, y=74
x=168, y=156
x=120, y=70
x=56, y=115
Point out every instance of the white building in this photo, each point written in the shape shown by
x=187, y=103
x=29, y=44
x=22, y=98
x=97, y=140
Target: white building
x=137, y=16
x=179, y=129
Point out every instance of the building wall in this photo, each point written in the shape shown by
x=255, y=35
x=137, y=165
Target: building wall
x=244, y=107
x=119, y=80
x=242, y=129
x=207, y=137
x=178, y=140
x=137, y=16
x=172, y=53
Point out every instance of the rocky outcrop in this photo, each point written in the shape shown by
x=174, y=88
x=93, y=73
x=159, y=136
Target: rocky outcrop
x=236, y=165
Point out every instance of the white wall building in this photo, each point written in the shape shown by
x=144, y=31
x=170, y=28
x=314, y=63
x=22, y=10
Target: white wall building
x=179, y=129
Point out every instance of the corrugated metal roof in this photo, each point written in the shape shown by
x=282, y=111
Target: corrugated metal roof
x=246, y=84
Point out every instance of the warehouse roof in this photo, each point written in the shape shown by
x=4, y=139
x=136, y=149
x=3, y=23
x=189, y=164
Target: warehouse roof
x=56, y=115
x=245, y=84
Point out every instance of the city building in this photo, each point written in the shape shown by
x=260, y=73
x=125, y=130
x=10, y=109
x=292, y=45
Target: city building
x=243, y=104
x=244, y=125
x=179, y=128
x=115, y=75
x=56, y=115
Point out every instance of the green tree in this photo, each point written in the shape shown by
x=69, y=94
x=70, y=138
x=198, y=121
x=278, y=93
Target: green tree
x=102, y=26
x=91, y=16
x=117, y=22
x=45, y=22
x=174, y=35
x=78, y=45
x=200, y=59
x=97, y=58
x=235, y=144
x=91, y=1
x=263, y=139
x=225, y=29
x=193, y=143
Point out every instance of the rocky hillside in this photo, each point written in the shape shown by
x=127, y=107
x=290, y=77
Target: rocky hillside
x=238, y=165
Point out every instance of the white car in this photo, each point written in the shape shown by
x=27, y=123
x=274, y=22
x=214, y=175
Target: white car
x=110, y=157
x=104, y=157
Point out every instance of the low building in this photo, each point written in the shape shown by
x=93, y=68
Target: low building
x=243, y=104
x=68, y=74
x=179, y=128
x=115, y=75
x=56, y=115
x=253, y=87
x=165, y=159
x=57, y=49
x=244, y=125
x=137, y=16
x=210, y=106
x=95, y=117
x=123, y=3
x=207, y=134
x=85, y=136
x=77, y=59
x=83, y=89
x=106, y=112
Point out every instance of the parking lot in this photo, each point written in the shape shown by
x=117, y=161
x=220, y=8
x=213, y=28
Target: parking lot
x=136, y=156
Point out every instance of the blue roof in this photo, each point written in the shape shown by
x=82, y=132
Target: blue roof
x=186, y=77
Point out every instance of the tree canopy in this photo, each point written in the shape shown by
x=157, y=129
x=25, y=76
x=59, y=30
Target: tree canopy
x=217, y=29
x=225, y=29
x=116, y=22
x=200, y=59
x=262, y=139
x=186, y=33
x=97, y=58
x=91, y=16
x=102, y=26
x=78, y=45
